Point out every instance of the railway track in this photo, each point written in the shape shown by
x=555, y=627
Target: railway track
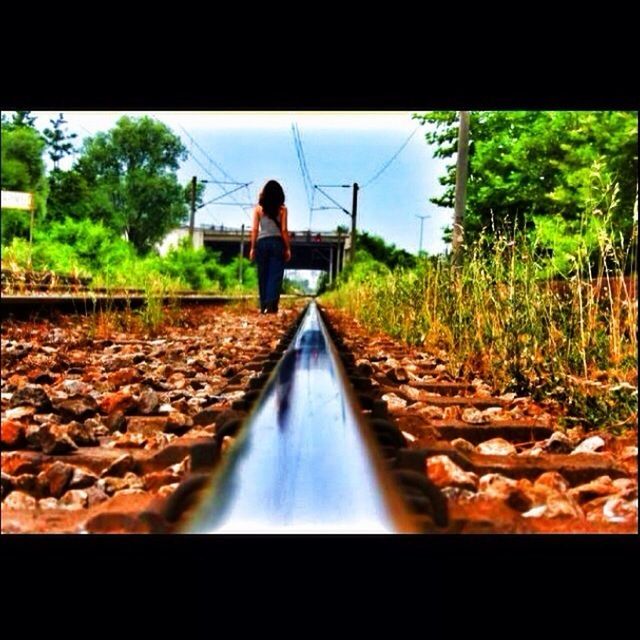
x=84, y=465
x=303, y=461
x=28, y=293
x=309, y=426
x=86, y=302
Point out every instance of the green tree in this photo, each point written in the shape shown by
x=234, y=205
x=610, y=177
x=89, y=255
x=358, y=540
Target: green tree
x=69, y=196
x=22, y=170
x=527, y=164
x=58, y=140
x=131, y=181
x=23, y=119
x=387, y=254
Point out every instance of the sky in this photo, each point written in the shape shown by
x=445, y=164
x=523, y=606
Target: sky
x=339, y=148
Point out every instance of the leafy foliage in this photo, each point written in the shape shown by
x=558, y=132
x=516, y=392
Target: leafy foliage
x=22, y=170
x=196, y=268
x=380, y=251
x=131, y=182
x=74, y=246
x=70, y=196
x=23, y=119
x=527, y=165
x=90, y=248
x=58, y=140
x=374, y=257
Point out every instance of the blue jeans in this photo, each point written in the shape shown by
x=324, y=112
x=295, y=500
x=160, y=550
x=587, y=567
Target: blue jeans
x=270, y=262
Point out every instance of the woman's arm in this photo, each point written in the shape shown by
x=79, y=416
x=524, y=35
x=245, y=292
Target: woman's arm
x=254, y=233
x=285, y=235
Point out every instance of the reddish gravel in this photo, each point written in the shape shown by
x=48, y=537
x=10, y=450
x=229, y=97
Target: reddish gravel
x=503, y=462
x=99, y=426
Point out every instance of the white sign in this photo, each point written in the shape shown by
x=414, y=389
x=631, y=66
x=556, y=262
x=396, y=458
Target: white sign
x=17, y=200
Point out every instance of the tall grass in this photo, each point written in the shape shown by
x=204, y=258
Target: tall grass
x=505, y=313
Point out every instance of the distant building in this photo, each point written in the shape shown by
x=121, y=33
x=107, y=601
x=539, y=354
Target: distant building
x=173, y=238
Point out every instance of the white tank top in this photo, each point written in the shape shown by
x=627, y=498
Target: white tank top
x=268, y=226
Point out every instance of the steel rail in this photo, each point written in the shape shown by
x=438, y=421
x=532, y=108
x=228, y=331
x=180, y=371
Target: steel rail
x=21, y=305
x=304, y=461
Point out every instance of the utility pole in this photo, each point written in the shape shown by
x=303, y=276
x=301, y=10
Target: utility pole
x=462, y=164
x=421, y=223
x=354, y=213
x=193, y=208
x=241, y=253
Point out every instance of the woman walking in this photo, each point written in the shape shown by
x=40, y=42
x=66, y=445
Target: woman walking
x=270, y=245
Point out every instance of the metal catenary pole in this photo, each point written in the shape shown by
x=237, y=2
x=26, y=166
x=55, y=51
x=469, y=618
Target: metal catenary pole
x=421, y=223
x=354, y=213
x=241, y=253
x=193, y=208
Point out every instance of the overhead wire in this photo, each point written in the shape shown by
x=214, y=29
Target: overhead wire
x=304, y=169
x=310, y=188
x=214, y=180
x=387, y=164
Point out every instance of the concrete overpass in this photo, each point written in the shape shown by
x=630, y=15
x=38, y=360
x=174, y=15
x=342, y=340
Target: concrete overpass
x=315, y=250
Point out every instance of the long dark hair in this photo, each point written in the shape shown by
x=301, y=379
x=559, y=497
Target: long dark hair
x=271, y=199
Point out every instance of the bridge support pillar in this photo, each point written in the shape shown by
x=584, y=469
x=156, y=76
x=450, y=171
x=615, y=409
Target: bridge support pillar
x=331, y=264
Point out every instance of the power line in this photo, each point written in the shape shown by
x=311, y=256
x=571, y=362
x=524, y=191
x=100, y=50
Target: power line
x=222, y=195
x=214, y=179
x=211, y=160
x=219, y=184
x=249, y=198
x=326, y=195
x=393, y=157
x=304, y=169
x=300, y=163
x=85, y=129
x=215, y=218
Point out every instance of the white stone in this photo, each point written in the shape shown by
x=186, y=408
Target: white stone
x=394, y=402
x=496, y=485
x=444, y=472
x=47, y=503
x=496, y=447
x=590, y=445
x=432, y=412
x=74, y=499
x=463, y=445
x=473, y=416
x=19, y=500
